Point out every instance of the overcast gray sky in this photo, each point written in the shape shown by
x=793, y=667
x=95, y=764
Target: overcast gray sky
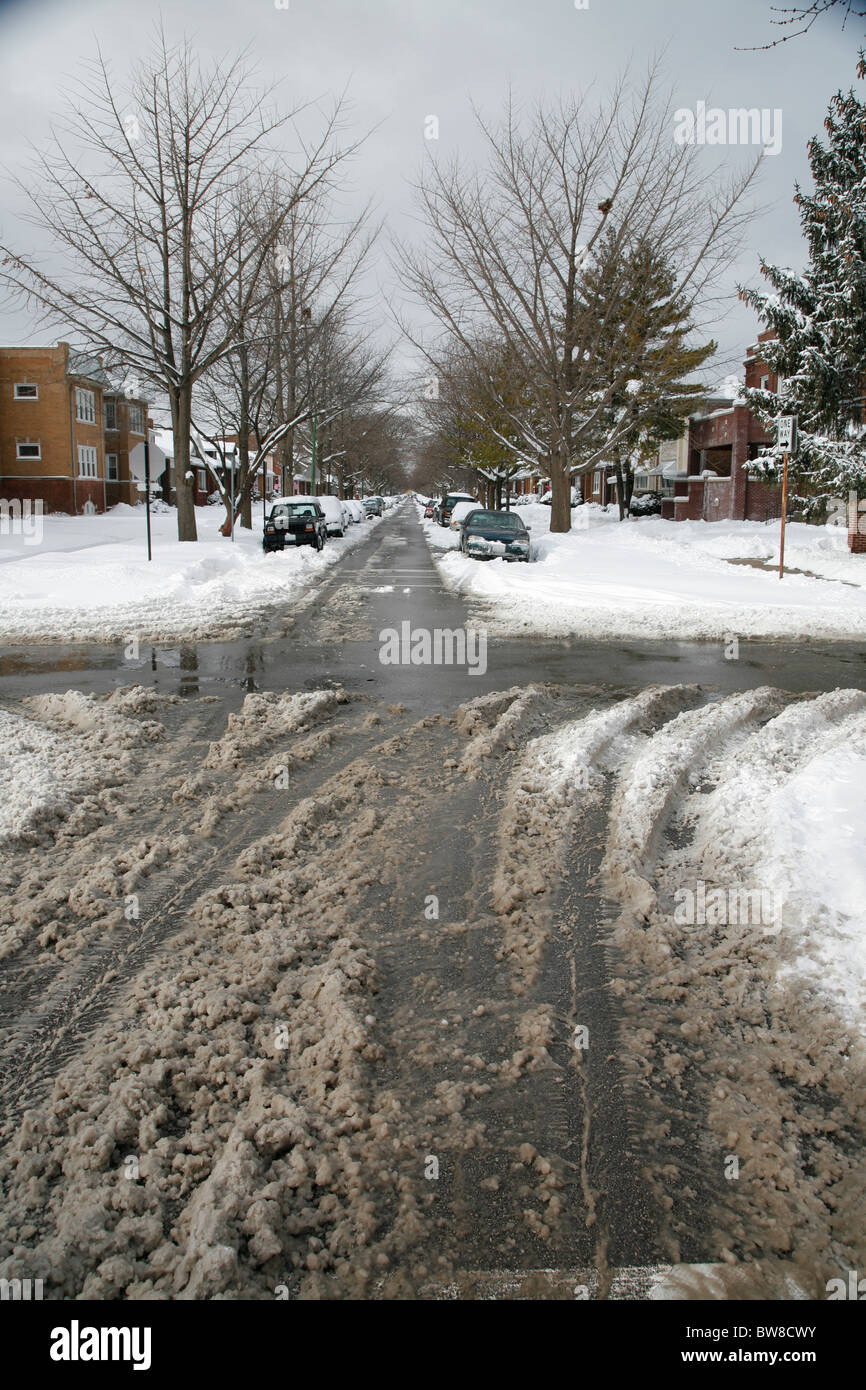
x=402, y=60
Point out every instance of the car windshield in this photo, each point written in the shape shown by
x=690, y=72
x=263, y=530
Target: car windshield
x=500, y=521
x=294, y=509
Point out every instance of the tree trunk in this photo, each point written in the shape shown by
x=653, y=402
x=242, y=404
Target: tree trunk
x=181, y=403
x=246, y=479
x=560, y=486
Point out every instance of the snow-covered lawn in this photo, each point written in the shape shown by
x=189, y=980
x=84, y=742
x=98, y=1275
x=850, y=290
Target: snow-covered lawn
x=654, y=579
x=88, y=578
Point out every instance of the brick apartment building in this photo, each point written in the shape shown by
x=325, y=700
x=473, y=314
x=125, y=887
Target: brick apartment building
x=66, y=431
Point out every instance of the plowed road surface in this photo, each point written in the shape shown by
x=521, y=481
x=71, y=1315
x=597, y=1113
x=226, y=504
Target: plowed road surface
x=343, y=979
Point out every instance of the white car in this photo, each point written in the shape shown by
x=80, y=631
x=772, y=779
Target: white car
x=337, y=515
x=461, y=510
x=358, y=513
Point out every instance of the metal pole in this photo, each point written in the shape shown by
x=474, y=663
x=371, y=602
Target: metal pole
x=784, y=514
x=233, y=498
x=147, y=490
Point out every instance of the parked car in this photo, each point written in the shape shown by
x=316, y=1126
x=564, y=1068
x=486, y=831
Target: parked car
x=336, y=516
x=458, y=512
x=445, y=507
x=429, y=508
x=374, y=506
x=295, y=521
x=358, y=513
x=485, y=535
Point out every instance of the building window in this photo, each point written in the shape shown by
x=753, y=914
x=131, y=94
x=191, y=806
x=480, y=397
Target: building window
x=202, y=480
x=596, y=484
x=24, y=391
x=111, y=469
x=111, y=415
x=29, y=451
x=87, y=461
x=136, y=419
x=85, y=406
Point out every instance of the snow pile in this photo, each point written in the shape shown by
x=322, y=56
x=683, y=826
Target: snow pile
x=789, y=814
x=265, y=718
x=509, y=711
x=818, y=864
x=554, y=785
x=753, y=1019
x=41, y=774
x=89, y=578
x=656, y=778
x=64, y=747
x=660, y=579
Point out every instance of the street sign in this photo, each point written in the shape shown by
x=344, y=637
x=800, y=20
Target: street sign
x=787, y=441
x=786, y=434
x=158, y=461
x=141, y=462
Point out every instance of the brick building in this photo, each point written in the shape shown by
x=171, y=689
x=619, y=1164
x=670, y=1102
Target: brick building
x=702, y=475
x=66, y=431
x=722, y=438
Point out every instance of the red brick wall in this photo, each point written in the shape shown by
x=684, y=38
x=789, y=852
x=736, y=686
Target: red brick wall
x=55, y=493
x=763, y=501
x=694, y=509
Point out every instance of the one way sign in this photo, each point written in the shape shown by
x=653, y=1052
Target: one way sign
x=786, y=434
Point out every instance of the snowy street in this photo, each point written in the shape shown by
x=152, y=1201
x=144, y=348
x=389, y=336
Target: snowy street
x=352, y=977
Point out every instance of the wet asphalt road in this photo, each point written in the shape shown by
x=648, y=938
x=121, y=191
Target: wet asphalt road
x=389, y=579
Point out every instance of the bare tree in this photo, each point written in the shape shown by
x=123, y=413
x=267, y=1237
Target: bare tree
x=805, y=16
x=507, y=245
x=318, y=262
x=136, y=192
x=475, y=429
x=348, y=385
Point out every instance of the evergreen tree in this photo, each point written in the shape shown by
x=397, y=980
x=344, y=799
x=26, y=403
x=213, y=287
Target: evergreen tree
x=650, y=331
x=819, y=320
